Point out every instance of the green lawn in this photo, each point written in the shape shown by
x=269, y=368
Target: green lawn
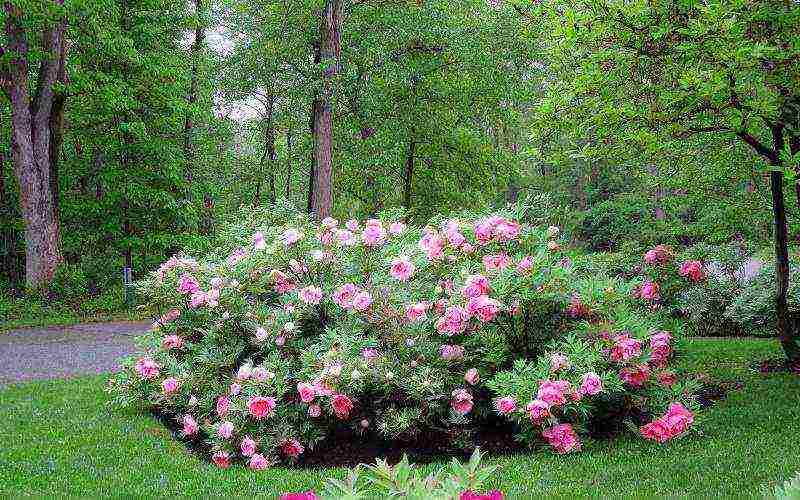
x=58, y=438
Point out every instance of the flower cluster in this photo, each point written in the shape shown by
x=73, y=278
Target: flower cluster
x=300, y=329
x=664, y=279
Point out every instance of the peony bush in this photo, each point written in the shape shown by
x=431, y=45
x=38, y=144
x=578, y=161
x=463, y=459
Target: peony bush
x=291, y=331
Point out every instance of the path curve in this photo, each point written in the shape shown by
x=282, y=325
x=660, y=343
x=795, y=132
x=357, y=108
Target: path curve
x=64, y=351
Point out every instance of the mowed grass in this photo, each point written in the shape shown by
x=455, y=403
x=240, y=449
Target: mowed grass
x=57, y=438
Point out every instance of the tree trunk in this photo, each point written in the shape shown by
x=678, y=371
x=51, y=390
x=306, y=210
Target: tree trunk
x=188, y=125
x=787, y=328
x=31, y=143
x=288, y=162
x=328, y=53
x=409, y=174
x=269, y=151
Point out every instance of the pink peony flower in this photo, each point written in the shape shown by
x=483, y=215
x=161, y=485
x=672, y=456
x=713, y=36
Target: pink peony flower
x=659, y=255
x=292, y=448
x=433, y=245
x=666, y=378
x=401, y=269
x=306, y=391
x=262, y=374
x=221, y=460
x=505, y=405
x=625, y=348
x=418, y=311
x=310, y=294
x=190, y=426
x=170, y=385
x=352, y=225
x=258, y=462
x=483, y=308
x=225, y=429
x=170, y=315
x=223, y=404
x=538, y=410
x=657, y=430
x=172, y=342
x=374, y=234
x=635, y=375
x=369, y=354
x=342, y=405
x=329, y=222
x=693, y=270
x=507, y=230
x=678, y=418
x=451, y=352
x=147, y=368
x=471, y=377
x=484, y=232
x=397, y=228
x=553, y=392
x=475, y=286
x=496, y=262
x=558, y=362
x=248, y=447
x=650, y=291
x=187, y=284
x=660, y=347
x=282, y=282
x=525, y=265
x=261, y=407
x=361, y=301
x=346, y=238
x=291, y=236
x=314, y=411
x=343, y=296
x=562, y=437
x=590, y=384
x=259, y=243
x=462, y=401
x=306, y=495
x=471, y=495
x=236, y=256
x=454, y=321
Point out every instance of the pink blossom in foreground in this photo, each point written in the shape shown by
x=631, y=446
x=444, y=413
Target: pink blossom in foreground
x=673, y=423
x=692, y=270
x=342, y=406
x=261, y=407
x=635, y=375
x=292, y=448
x=172, y=342
x=401, y=269
x=666, y=378
x=190, y=426
x=147, y=368
x=306, y=392
x=562, y=437
x=352, y=225
x=223, y=404
x=187, y=284
x=225, y=429
x=258, y=462
x=525, y=265
x=505, y=405
x=658, y=256
x=507, y=230
x=558, y=362
x=291, y=236
x=329, y=222
x=397, y=228
x=170, y=385
x=476, y=285
x=625, y=348
x=553, y=392
x=433, y=245
x=343, y=296
x=496, y=262
x=259, y=243
x=373, y=234
x=471, y=495
x=418, y=311
x=221, y=459
x=483, y=308
x=248, y=446
x=590, y=384
x=310, y=294
x=454, y=321
x=304, y=495
x=650, y=291
x=451, y=352
x=471, y=377
x=314, y=411
x=361, y=301
x=537, y=410
x=462, y=401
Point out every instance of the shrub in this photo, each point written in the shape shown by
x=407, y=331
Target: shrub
x=789, y=490
x=299, y=330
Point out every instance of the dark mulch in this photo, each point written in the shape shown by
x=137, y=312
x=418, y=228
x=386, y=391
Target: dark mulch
x=776, y=365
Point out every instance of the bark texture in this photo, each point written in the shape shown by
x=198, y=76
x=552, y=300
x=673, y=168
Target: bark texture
x=32, y=139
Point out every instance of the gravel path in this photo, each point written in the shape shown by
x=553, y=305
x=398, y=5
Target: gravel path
x=63, y=351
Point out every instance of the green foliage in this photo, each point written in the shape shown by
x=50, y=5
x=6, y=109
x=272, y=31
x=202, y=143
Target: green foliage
x=403, y=479
x=789, y=490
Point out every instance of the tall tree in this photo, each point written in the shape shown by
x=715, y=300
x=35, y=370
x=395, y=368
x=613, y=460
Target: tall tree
x=36, y=128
